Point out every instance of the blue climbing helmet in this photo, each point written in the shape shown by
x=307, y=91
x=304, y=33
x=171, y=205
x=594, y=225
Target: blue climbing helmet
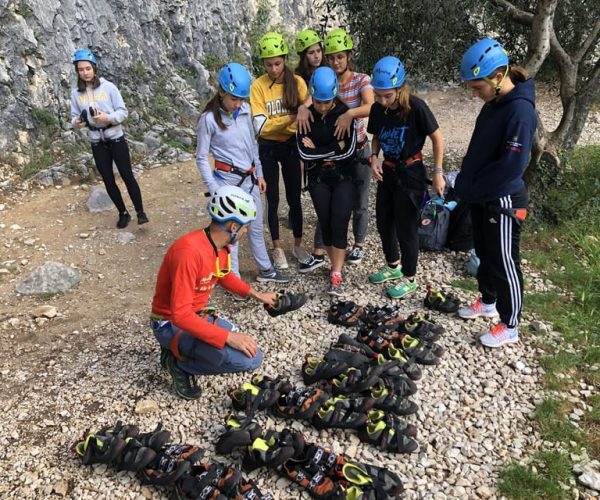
x=323, y=85
x=235, y=80
x=388, y=73
x=84, y=55
x=482, y=59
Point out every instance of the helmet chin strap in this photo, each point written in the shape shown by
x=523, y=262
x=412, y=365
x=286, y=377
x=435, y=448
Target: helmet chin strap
x=497, y=86
x=233, y=234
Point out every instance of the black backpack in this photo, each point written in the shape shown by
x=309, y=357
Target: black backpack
x=433, y=232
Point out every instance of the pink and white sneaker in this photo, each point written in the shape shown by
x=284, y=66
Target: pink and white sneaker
x=500, y=335
x=478, y=309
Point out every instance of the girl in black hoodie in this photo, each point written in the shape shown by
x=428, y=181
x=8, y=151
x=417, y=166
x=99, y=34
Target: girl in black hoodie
x=329, y=167
x=491, y=180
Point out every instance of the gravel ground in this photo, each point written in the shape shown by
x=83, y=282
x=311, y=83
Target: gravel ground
x=84, y=370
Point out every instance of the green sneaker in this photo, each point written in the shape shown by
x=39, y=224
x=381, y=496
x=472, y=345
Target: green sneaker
x=402, y=289
x=386, y=274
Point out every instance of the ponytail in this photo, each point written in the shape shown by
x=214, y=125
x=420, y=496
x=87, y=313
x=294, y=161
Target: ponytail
x=291, y=99
x=518, y=74
x=214, y=106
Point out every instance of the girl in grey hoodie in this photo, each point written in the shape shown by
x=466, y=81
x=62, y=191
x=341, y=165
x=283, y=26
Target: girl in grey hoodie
x=97, y=104
x=225, y=130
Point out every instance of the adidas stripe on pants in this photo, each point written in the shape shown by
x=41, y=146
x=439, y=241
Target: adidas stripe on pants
x=496, y=238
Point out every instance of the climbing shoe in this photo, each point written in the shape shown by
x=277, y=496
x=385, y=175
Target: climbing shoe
x=286, y=302
x=273, y=449
x=184, y=383
x=171, y=463
x=134, y=456
x=300, y=403
x=338, y=414
x=386, y=437
x=356, y=380
x=438, y=301
x=98, y=449
x=314, y=369
x=420, y=327
x=345, y=313
x=259, y=394
x=397, y=363
x=241, y=431
x=392, y=420
x=313, y=479
x=201, y=482
x=376, y=482
x=156, y=439
x=120, y=430
x=422, y=352
x=386, y=400
x=375, y=316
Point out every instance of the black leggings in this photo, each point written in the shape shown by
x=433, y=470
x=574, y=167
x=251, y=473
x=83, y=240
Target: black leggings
x=272, y=154
x=397, y=213
x=333, y=203
x=118, y=151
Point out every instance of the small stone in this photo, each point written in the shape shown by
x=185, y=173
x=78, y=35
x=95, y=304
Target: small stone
x=590, y=479
x=147, y=492
x=29, y=242
x=146, y=406
x=83, y=236
x=484, y=492
x=102, y=251
x=61, y=488
x=45, y=311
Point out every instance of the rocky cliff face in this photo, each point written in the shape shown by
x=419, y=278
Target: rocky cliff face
x=157, y=51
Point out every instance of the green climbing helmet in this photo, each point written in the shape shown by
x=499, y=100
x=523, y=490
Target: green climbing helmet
x=337, y=41
x=272, y=44
x=305, y=39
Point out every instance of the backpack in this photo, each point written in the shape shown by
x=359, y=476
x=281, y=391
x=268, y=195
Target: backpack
x=433, y=231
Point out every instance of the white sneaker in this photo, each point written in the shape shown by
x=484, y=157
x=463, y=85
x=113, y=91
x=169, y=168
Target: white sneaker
x=500, y=335
x=279, y=260
x=478, y=309
x=302, y=255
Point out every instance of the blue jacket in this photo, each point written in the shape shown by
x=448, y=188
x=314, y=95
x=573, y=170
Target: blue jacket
x=500, y=147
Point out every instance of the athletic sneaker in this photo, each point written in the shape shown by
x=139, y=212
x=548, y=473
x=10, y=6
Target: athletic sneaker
x=124, y=219
x=355, y=256
x=279, y=260
x=478, y=309
x=301, y=255
x=500, y=335
x=314, y=261
x=402, y=289
x=184, y=383
x=335, y=285
x=274, y=276
x=386, y=274
x=142, y=218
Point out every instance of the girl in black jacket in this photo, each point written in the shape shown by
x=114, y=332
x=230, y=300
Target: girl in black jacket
x=328, y=162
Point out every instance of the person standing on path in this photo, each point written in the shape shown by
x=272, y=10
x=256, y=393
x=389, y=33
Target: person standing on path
x=225, y=129
x=275, y=98
x=194, y=340
x=400, y=123
x=491, y=181
x=329, y=166
x=357, y=93
x=97, y=104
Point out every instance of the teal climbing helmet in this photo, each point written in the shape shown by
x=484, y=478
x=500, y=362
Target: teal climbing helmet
x=323, y=85
x=84, y=55
x=235, y=80
x=388, y=73
x=482, y=59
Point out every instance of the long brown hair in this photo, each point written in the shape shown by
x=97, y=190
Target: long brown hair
x=403, y=100
x=518, y=74
x=81, y=84
x=214, y=106
x=291, y=99
x=304, y=70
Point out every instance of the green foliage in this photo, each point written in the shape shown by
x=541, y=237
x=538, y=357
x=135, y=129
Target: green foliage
x=468, y=284
x=213, y=63
x=39, y=162
x=139, y=72
x=45, y=121
x=23, y=11
x=523, y=482
x=428, y=36
x=258, y=27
